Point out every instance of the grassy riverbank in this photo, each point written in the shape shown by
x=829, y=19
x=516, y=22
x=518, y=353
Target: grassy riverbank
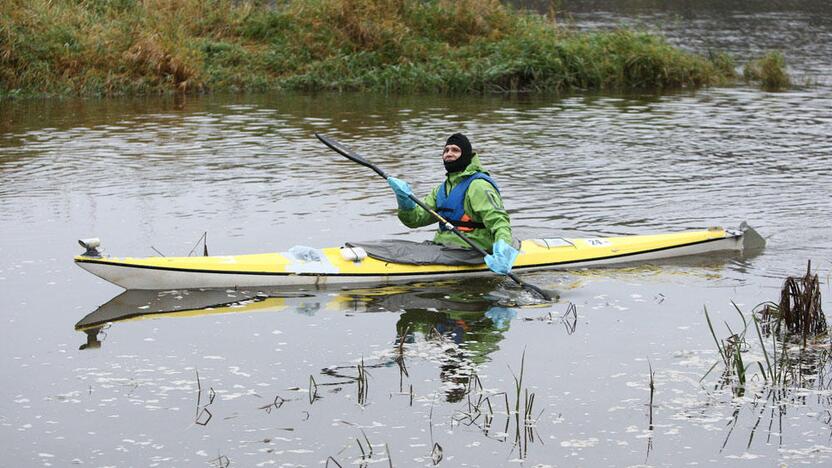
x=114, y=47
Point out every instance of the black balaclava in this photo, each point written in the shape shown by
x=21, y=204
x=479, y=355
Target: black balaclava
x=461, y=162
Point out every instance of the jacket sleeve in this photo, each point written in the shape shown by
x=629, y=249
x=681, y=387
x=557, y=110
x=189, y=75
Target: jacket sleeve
x=485, y=203
x=418, y=217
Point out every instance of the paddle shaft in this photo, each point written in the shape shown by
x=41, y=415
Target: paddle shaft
x=476, y=247
x=351, y=155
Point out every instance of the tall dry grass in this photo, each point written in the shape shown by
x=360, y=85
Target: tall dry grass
x=107, y=47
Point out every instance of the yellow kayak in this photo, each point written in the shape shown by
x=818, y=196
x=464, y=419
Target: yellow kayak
x=350, y=265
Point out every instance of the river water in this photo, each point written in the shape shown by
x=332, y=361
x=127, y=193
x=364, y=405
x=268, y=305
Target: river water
x=307, y=377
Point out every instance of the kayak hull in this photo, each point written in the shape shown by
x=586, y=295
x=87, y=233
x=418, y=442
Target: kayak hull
x=332, y=268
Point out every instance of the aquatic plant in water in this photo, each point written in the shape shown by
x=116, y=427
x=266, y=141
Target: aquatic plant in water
x=798, y=318
x=769, y=71
x=482, y=406
x=796, y=359
x=799, y=309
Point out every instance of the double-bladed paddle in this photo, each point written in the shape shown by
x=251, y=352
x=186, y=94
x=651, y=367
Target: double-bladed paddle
x=353, y=156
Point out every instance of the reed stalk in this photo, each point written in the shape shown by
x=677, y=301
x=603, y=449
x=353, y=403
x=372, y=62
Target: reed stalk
x=798, y=317
x=313, y=390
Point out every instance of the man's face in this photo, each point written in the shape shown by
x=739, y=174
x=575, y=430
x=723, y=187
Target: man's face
x=451, y=153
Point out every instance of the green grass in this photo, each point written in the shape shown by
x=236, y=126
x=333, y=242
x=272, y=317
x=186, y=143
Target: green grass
x=769, y=71
x=114, y=47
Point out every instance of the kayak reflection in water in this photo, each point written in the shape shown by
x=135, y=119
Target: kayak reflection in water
x=92, y=338
x=460, y=328
x=145, y=304
x=469, y=199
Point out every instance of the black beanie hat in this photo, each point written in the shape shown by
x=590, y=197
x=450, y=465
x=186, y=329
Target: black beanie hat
x=462, y=162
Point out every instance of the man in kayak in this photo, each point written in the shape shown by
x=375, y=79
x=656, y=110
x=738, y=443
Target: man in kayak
x=469, y=199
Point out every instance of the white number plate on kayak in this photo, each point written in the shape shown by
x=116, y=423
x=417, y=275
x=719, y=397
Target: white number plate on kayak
x=598, y=242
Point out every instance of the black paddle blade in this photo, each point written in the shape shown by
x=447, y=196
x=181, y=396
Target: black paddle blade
x=534, y=289
x=543, y=294
x=339, y=148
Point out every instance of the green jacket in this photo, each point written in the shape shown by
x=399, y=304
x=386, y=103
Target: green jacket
x=482, y=203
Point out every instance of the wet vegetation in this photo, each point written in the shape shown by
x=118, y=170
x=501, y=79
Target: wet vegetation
x=791, y=335
x=114, y=47
x=484, y=406
x=788, y=358
x=799, y=311
x=769, y=71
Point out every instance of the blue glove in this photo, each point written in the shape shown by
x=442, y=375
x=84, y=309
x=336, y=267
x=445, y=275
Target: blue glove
x=500, y=317
x=403, y=193
x=502, y=258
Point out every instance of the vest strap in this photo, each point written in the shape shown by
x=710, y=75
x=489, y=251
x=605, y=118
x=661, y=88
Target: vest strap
x=467, y=224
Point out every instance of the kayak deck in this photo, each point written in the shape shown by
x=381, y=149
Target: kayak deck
x=332, y=266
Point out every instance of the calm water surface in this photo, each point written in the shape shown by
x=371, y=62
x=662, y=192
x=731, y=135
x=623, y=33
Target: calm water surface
x=234, y=382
